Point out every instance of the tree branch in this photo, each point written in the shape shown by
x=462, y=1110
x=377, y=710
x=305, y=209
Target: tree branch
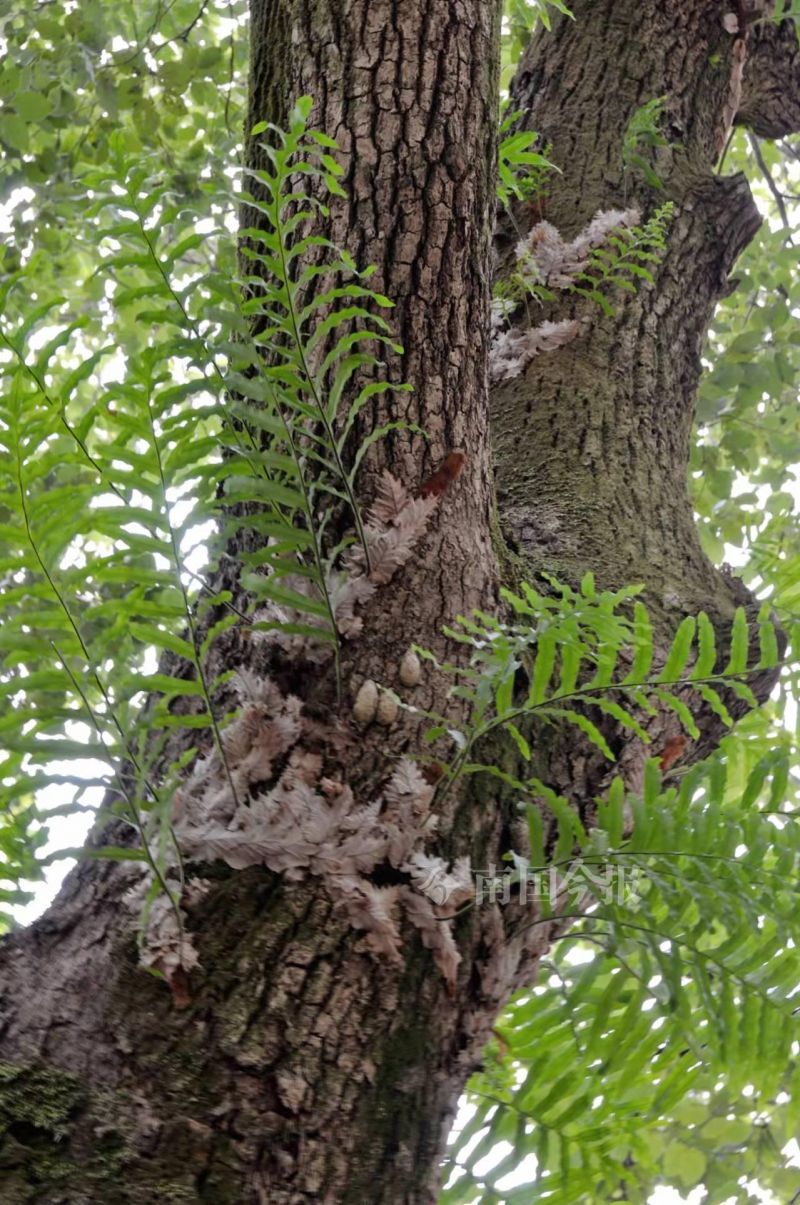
x=770, y=102
x=777, y=195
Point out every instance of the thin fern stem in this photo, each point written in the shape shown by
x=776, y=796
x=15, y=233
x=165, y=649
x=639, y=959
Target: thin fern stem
x=176, y=556
x=301, y=351
x=461, y=759
x=188, y=319
x=258, y=470
x=62, y=602
x=702, y=955
x=56, y=407
x=203, y=584
x=133, y=807
x=316, y=550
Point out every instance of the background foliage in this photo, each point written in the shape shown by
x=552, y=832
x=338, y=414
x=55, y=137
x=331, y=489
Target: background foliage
x=660, y=1045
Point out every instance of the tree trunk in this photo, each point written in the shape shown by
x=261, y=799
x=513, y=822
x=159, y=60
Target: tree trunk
x=304, y=1066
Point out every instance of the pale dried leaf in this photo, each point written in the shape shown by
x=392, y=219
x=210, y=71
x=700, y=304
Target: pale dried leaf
x=370, y=908
x=407, y=794
x=164, y=946
x=604, y=223
x=390, y=498
x=513, y=350
x=303, y=767
x=348, y=591
x=431, y=876
x=436, y=934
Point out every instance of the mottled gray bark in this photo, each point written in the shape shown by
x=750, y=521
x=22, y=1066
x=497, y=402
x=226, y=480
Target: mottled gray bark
x=305, y=1069
x=610, y=416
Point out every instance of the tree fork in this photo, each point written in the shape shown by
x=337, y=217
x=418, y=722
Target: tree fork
x=303, y=1069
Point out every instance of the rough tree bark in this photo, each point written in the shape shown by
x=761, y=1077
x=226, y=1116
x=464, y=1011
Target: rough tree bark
x=304, y=1068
